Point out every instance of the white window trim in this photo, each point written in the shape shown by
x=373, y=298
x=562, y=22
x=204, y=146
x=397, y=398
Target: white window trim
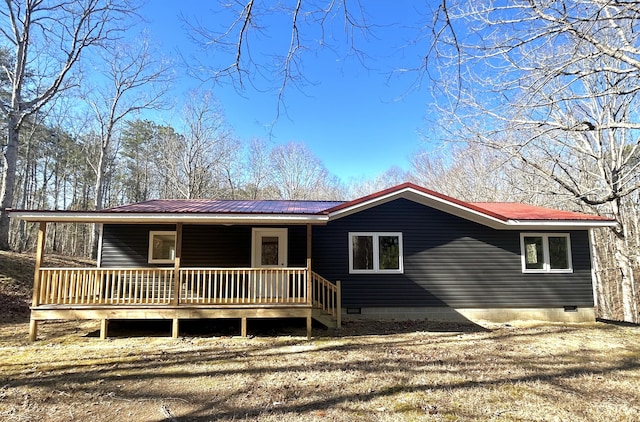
x=546, y=267
x=153, y=233
x=376, y=253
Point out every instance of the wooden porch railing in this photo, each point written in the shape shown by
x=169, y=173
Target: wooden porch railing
x=327, y=296
x=202, y=286
x=243, y=285
x=105, y=286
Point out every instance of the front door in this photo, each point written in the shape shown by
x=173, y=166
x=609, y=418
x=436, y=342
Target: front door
x=269, y=250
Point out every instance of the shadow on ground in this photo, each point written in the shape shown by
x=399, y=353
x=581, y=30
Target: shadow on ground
x=617, y=323
x=276, y=327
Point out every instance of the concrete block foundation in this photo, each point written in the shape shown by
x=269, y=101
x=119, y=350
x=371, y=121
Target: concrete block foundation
x=496, y=315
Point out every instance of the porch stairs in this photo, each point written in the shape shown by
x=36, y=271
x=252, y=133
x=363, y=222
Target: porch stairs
x=326, y=301
x=324, y=318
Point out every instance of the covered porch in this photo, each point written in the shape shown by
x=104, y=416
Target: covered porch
x=190, y=293
x=164, y=288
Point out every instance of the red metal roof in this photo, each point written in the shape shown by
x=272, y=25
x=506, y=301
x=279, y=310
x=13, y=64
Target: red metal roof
x=211, y=206
x=206, y=210
x=515, y=211
x=503, y=211
x=422, y=190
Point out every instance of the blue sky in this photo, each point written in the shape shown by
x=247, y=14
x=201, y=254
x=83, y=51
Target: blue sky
x=360, y=121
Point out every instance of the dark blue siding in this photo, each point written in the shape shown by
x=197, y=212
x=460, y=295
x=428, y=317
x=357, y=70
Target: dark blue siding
x=216, y=246
x=127, y=245
x=448, y=261
x=297, y=248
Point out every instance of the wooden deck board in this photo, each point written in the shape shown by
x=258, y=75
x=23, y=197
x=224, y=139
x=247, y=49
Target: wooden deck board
x=167, y=312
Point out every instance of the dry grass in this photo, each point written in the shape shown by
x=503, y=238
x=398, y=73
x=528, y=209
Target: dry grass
x=376, y=371
x=551, y=372
x=16, y=281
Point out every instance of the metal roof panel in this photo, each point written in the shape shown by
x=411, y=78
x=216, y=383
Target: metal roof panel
x=516, y=211
x=212, y=206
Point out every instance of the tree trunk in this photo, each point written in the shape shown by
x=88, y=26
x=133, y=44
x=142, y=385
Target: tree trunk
x=599, y=299
x=99, y=197
x=625, y=264
x=22, y=240
x=629, y=307
x=9, y=160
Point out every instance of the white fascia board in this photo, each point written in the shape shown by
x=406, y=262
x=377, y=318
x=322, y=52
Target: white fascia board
x=162, y=218
x=558, y=224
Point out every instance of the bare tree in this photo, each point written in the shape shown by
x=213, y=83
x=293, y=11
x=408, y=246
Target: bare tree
x=195, y=160
x=467, y=172
x=297, y=174
x=555, y=86
x=367, y=185
x=134, y=80
x=138, y=158
x=257, y=169
x=47, y=40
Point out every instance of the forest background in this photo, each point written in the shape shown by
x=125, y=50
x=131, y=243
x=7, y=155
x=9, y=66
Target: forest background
x=525, y=101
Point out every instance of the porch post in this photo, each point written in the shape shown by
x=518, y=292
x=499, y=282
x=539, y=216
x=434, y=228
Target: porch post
x=104, y=326
x=176, y=265
x=42, y=234
x=309, y=283
x=243, y=326
x=175, y=327
x=338, y=304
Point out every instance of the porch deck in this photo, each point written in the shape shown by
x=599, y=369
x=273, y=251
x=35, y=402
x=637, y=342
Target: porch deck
x=183, y=293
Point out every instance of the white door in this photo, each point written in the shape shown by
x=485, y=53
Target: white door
x=269, y=250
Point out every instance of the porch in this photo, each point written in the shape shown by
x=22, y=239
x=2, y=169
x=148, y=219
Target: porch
x=188, y=293
x=185, y=292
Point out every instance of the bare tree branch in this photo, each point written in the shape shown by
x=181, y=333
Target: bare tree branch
x=48, y=40
x=278, y=65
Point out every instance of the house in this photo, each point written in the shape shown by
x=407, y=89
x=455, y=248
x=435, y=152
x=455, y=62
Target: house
x=405, y=252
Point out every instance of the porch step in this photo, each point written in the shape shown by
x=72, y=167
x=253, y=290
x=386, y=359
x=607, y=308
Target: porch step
x=324, y=318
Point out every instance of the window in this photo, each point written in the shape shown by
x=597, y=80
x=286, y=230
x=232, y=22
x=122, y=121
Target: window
x=162, y=247
x=375, y=253
x=546, y=253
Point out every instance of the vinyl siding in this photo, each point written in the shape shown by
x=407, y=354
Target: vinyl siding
x=216, y=246
x=127, y=245
x=448, y=261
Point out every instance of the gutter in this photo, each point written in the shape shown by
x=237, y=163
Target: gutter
x=165, y=218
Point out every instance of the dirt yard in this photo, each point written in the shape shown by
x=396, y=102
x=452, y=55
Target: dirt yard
x=367, y=371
